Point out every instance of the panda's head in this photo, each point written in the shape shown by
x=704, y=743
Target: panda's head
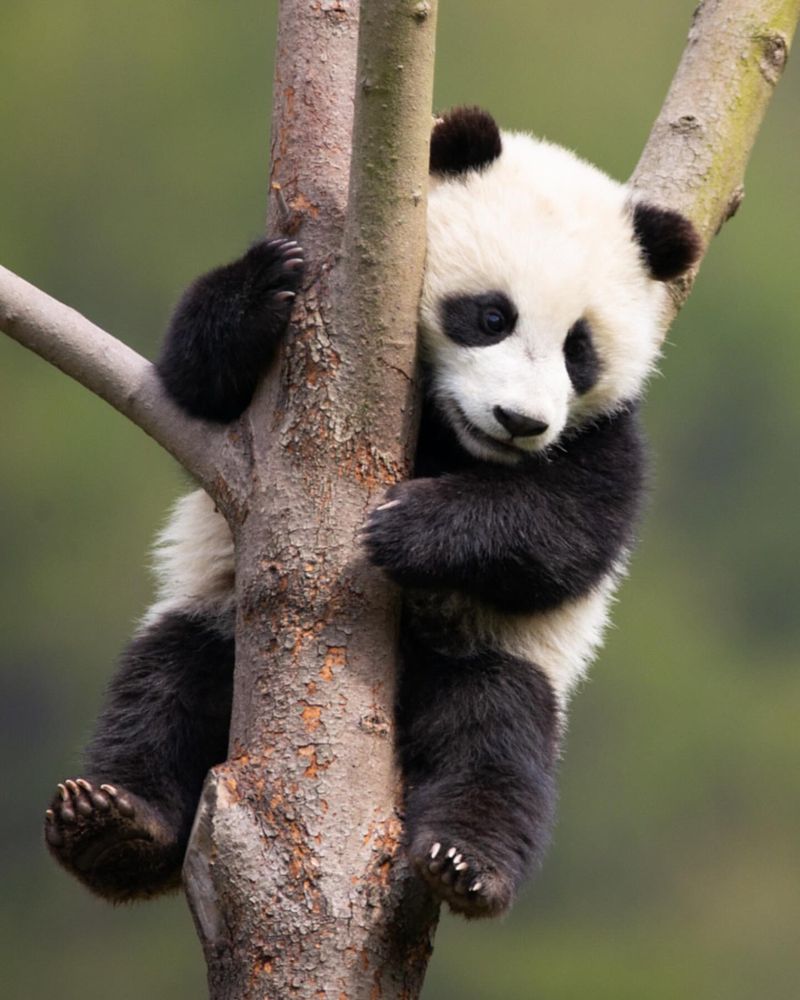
x=543, y=302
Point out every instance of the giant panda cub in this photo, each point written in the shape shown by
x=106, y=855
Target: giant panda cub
x=541, y=316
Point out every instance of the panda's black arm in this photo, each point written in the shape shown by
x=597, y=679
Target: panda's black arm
x=523, y=538
x=226, y=330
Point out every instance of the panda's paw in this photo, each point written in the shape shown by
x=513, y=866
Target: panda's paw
x=400, y=535
x=462, y=877
x=273, y=270
x=106, y=836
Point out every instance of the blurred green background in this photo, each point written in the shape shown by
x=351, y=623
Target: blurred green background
x=133, y=155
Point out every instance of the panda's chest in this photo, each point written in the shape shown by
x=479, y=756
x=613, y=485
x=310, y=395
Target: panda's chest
x=561, y=642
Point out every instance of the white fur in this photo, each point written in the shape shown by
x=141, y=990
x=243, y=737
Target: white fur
x=555, y=234
x=562, y=642
x=193, y=563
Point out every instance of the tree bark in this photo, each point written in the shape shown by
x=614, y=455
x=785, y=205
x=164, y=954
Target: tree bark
x=293, y=873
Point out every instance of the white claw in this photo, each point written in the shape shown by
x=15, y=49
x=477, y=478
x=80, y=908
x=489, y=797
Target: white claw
x=386, y=506
x=435, y=850
x=475, y=886
x=63, y=792
x=462, y=866
x=456, y=859
x=110, y=789
x=84, y=784
x=451, y=852
x=51, y=816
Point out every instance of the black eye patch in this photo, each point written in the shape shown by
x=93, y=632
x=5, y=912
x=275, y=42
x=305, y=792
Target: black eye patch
x=582, y=361
x=478, y=320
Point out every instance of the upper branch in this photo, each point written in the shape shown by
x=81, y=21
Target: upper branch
x=116, y=373
x=384, y=242
x=697, y=152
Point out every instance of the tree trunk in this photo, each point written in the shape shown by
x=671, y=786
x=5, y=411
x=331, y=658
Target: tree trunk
x=293, y=873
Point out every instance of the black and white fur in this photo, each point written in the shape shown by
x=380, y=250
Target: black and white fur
x=541, y=318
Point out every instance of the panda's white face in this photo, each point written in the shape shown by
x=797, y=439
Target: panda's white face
x=538, y=311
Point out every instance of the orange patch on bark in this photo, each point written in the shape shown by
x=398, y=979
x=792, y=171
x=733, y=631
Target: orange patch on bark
x=314, y=766
x=301, y=204
x=366, y=465
x=335, y=658
x=311, y=717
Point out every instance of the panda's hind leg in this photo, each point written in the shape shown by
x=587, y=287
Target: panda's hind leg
x=112, y=840
x=122, y=827
x=477, y=738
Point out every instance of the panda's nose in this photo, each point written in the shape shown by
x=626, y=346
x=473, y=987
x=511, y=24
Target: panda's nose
x=518, y=425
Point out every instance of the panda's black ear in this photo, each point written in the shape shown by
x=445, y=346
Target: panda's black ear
x=464, y=139
x=669, y=242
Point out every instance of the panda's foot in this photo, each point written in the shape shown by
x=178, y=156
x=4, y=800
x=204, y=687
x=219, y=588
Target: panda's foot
x=113, y=841
x=462, y=876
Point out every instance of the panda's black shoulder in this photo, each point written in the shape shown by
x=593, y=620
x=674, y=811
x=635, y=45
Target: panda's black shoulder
x=616, y=438
x=605, y=459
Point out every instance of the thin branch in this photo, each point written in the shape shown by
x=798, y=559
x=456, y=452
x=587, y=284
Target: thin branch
x=117, y=374
x=384, y=238
x=697, y=152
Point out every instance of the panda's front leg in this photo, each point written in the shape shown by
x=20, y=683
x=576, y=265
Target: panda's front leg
x=460, y=532
x=226, y=330
x=478, y=742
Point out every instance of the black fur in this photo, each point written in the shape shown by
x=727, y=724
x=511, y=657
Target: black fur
x=580, y=356
x=477, y=740
x=164, y=724
x=467, y=319
x=670, y=244
x=464, y=139
x=227, y=328
x=519, y=538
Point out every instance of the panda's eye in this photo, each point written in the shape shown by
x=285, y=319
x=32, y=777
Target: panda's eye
x=481, y=320
x=494, y=321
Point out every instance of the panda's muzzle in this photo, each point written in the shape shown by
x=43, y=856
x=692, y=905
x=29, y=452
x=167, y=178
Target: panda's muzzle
x=518, y=424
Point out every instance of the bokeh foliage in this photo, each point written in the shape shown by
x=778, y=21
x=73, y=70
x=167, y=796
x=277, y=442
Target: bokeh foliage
x=133, y=153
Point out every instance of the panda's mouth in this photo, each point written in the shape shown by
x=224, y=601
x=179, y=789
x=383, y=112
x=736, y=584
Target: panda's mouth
x=467, y=429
